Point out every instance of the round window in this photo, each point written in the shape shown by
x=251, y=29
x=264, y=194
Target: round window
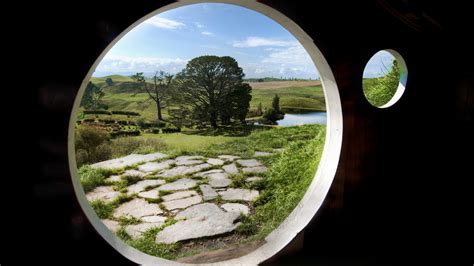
x=384, y=79
x=203, y=127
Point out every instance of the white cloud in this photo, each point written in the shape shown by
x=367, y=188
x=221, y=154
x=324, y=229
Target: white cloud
x=207, y=33
x=287, y=61
x=259, y=41
x=199, y=25
x=295, y=54
x=164, y=23
x=129, y=64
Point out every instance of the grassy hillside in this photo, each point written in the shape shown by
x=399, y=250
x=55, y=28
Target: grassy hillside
x=299, y=96
x=296, y=98
x=115, y=78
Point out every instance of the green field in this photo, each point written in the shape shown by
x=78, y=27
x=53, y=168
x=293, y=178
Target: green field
x=304, y=98
x=186, y=143
x=295, y=96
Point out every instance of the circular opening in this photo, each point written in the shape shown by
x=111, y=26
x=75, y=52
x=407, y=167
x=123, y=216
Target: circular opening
x=120, y=187
x=384, y=78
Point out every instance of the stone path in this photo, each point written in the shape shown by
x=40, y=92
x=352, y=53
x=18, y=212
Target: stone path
x=197, y=192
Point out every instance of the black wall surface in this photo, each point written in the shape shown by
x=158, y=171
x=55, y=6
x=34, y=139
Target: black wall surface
x=400, y=189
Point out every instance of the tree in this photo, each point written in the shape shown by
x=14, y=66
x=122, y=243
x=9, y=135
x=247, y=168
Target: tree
x=109, y=82
x=274, y=113
x=159, y=91
x=91, y=100
x=276, y=103
x=211, y=90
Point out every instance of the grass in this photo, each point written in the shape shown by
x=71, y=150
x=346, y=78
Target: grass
x=181, y=143
x=128, y=220
x=287, y=182
x=125, y=146
x=103, y=210
x=307, y=98
x=91, y=178
x=264, y=140
x=377, y=94
x=248, y=226
x=146, y=243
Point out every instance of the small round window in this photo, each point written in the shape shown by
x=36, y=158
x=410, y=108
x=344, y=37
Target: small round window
x=384, y=79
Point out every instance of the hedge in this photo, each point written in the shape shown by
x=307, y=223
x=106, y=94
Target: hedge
x=171, y=130
x=105, y=112
x=125, y=133
x=97, y=112
x=125, y=113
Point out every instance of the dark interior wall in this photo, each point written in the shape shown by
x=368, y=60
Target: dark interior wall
x=399, y=166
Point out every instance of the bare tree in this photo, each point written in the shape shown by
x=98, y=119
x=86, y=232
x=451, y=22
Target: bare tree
x=158, y=91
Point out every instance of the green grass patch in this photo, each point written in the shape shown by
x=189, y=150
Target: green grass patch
x=162, y=193
x=287, y=182
x=308, y=98
x=128, y=220
x=238, y=181
x=130, y=179
x=180, y=143
x=122, y=198
x=146, y=243
x=103, y=210
x=91, y=178
x=155, y=201
x=248, y=226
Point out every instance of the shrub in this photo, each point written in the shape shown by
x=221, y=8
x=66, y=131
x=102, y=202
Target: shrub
x=81, y=157
x=102, y=152
x=89, y=143
x=141, y=123
x=171, y=130
x=155, y=130
x=273, y=115
x=90, y=178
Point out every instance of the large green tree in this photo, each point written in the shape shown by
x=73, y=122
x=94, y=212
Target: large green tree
x=158, y=90
x=210, y=90
x=91, y=100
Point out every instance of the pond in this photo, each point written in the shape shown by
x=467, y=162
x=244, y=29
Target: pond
x=302, y=119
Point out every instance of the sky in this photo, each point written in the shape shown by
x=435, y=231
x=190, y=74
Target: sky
x=261, y=46
x=378, y=65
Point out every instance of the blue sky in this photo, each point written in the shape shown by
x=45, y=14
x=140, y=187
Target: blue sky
x=261, y=46
x=378, y=65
